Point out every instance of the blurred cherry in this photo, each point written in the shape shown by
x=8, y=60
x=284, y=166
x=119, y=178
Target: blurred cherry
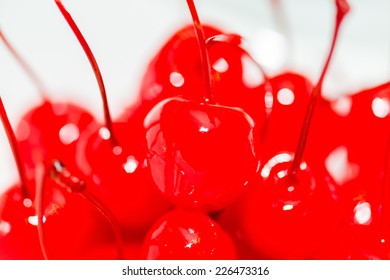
x=184, y=235
x=41, y=139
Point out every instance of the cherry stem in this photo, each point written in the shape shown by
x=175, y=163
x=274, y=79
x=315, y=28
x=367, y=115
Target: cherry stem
x=342, y=10
x=109, y=217
x=25, y=66
x=61, y=175
x=40, y=178
x=235, y=40
x=204, y=56
x=87, y=50
x=15, y=150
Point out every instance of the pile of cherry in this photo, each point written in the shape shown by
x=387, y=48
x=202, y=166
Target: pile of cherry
x=205, y=166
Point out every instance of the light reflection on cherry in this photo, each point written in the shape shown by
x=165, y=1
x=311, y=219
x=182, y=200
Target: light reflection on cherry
x=187, y=235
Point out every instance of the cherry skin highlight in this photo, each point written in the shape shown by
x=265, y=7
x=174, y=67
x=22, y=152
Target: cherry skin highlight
x=200, y=155
x=184, y=235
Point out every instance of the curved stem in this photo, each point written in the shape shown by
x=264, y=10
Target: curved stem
x=109, y=217
x=237, y=41
x=27, y=69
x=15, y=150
x=61, y=175
x=92, y=60
x=40, y=177
x=204, y=56
x=342, y=10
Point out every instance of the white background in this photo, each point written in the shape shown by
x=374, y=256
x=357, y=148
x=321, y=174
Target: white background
x=124, y=34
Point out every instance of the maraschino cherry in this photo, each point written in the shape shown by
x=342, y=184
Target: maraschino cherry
x=237, y=79
x=366, y=234
x=187, y=235
x=201, y=155
x=360, y=175
x=113, y=157
x=291, y=211
x=71, y=223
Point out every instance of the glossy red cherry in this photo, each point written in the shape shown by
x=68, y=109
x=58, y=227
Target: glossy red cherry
x=42, y=140
x=121, y=177
x=187, y=235
x=200, y=155
x=286, y=217
x=67, y=220
x=70, y=225
x=237, y=81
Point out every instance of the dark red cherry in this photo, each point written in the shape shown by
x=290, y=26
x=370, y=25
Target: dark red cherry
x=120, y=176
x=184, y=235
x=51, y=131
x=200, y=155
